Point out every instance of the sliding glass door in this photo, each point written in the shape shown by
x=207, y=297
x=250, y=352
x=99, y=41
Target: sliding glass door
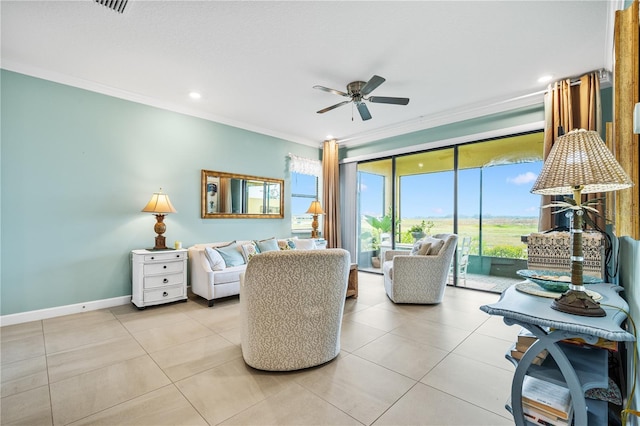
x=479, y=191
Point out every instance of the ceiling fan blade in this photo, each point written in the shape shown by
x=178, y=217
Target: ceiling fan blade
x=364, y=111
x=326, y=89
x=374, y=82
x=322, y=111
x=387, y=100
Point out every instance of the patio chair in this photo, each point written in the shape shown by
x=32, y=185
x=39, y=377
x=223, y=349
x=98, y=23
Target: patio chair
x=462, y=259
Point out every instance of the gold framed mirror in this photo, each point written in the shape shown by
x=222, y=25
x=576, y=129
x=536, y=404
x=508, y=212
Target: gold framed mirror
x=230, y=195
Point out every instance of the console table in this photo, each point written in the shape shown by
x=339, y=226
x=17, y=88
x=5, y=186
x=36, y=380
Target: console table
x=574, y=367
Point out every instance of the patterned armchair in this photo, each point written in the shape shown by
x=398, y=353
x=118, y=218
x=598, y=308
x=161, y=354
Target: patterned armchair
x=419, y=278
x=291, y=305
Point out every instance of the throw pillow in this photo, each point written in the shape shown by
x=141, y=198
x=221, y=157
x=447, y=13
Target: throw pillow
x=305, y=244
x=270, y=244
x=249, y=250
x=424, y=249
x=416, y=247
x=286, y=244
x=231, y=254
x=436, y=245
x=215, y=260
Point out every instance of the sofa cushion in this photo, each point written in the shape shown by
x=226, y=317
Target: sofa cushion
x=231, y=254
x=270, y=244
x=215, y=259
x=305, y=244
x=229, y=275
x=249, y=250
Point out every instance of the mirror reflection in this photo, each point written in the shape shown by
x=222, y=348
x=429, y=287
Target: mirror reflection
x=228, y=195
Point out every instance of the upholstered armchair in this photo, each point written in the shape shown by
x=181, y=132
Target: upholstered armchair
x=291, y=305
x=419, y=278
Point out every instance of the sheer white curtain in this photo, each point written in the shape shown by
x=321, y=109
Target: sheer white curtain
x=305, y=166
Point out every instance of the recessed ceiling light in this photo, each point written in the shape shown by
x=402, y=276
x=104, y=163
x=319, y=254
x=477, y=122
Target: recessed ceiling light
x=545, y=79
x=195, y=95
x=329, y=137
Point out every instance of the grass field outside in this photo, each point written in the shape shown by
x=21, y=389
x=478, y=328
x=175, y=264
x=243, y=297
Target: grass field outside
x=501, y=236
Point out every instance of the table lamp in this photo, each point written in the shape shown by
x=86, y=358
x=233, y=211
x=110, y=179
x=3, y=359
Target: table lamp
x=159, y=205
x=579, y=163
x=315, y=209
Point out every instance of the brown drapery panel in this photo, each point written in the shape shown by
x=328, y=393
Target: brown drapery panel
x=626, y=144
x=572, y=106
x=331, y=193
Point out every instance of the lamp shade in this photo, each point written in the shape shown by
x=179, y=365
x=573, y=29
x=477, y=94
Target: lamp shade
x=315, y=208
x=580, y=159
x=159, y=204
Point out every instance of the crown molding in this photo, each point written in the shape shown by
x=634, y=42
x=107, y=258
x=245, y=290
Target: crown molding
x=93, y=86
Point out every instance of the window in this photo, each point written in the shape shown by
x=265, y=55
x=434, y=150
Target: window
x=479, y=190
x=304, y=190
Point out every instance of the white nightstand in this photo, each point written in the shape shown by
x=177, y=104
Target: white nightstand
x=158, y=277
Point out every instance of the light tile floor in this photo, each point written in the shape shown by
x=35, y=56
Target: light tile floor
x=181, y=364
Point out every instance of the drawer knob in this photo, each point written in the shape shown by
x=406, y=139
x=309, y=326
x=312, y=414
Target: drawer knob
x=152, y=257
x=165, y=281
x=164, y=266
x=165, y=294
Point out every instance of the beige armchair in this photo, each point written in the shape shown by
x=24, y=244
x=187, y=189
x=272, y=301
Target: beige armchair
x=291, y=305
x=418, y=278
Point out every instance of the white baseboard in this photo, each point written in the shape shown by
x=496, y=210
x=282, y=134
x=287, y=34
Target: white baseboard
x=63, y=310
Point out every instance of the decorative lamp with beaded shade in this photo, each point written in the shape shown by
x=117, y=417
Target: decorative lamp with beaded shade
x=159, y=205
x=579, y=163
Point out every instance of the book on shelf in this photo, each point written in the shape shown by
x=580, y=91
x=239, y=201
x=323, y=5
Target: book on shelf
x=539, y=417
x=524, y=340
x=547, y=397
x=601, y=343
x=538, y=360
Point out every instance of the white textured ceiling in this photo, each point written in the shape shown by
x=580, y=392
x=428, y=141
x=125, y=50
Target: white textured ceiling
x=255, y=63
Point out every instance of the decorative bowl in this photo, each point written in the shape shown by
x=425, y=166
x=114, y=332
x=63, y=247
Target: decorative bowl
x=554, y=280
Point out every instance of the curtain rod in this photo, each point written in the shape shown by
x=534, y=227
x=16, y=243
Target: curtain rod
x=603, y=76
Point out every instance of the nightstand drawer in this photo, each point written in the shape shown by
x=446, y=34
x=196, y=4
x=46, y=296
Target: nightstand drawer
x=163, y=268
x=158, y=277
x=163, y=294
x=162, y=280
x=158, y=257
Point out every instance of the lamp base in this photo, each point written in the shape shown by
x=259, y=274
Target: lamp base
x=160, y=243
x=578, y=302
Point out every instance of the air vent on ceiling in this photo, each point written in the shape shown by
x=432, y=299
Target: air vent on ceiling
x=117, y=5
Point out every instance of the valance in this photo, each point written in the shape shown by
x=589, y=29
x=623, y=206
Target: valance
x=305, y=166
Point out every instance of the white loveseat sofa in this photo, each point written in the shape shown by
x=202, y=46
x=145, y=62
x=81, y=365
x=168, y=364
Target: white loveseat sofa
x=213, y=281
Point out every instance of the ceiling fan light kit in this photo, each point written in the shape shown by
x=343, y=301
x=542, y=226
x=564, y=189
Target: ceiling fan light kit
x=358, y=91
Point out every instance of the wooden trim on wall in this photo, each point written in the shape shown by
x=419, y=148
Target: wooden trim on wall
x=626, y=95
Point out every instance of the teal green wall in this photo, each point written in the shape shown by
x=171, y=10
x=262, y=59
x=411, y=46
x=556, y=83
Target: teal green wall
x=77, y=168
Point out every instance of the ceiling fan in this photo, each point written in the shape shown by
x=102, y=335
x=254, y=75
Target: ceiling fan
x=358, y=91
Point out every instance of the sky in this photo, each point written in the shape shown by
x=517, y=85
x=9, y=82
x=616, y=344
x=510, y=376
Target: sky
x=505, y=192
